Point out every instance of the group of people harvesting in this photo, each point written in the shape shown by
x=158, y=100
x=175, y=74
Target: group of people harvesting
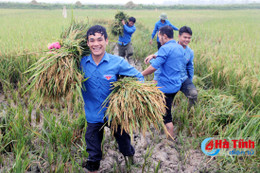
x=173, y=70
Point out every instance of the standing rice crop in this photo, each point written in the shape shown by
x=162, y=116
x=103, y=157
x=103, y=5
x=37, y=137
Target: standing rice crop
x=56, y=75
x=135, y=106
x=117, y=26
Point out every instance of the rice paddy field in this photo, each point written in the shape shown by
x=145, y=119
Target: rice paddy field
x=50, y=137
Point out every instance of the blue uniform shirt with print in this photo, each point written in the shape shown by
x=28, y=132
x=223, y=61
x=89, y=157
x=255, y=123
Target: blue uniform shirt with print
x=98, y=85
x=159, y=24
x=126, y=37
x=170, y=61
x=188, y=68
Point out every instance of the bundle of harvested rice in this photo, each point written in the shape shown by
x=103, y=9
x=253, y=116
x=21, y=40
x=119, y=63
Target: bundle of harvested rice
x=135, y=106
x=117, y=26
x=57, y=74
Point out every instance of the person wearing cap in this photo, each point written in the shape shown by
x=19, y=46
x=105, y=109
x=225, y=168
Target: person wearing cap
x=125, y=48
x=162, y=22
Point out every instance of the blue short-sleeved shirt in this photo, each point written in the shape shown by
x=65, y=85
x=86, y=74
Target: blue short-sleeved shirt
x=159, y=24
x=97, y=87
x=188, y=68
x=170, y=61
x=126, y=37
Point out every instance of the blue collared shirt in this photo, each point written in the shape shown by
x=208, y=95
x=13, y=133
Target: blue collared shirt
x=187, y=70
x=159, y=24
x=170, y=61
x=98, y=85
x=126, y=37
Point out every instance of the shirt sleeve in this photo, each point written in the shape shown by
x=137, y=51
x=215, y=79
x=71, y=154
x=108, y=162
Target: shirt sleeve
x=157, y=74
x=158, y=71
x=154, y=30
x=127, y=70
x=190, y=67
x=160, y=59
x=128, y=29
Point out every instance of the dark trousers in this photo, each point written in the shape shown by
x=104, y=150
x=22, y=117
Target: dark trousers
x=158, y=45
x=169, y=99
x=94, y=136
x=190, y=91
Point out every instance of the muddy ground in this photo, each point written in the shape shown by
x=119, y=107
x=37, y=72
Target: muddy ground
x=174, y=156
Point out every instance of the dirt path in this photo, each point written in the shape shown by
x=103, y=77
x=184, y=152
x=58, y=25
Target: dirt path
x=173, y=156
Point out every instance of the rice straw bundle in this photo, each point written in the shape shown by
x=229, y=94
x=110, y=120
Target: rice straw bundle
x=57, y=74
x=135, y=106
x=117, y=26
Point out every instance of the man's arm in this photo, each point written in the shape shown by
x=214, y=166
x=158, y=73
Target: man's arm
x=156, y=63
x=174, y=27
x=148, y=71
x=129, y=29
x=149, y=58
x=154, y=32
x=190, y=67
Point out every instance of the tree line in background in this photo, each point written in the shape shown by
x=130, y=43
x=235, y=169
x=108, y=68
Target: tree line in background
x=129, y=5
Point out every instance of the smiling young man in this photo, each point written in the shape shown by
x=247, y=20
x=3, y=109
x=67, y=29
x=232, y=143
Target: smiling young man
x=187, y=87
x=170, y=61
x=125, y=48
x=101, y=69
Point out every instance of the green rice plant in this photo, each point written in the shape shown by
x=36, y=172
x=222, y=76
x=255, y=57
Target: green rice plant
x=56, y=75
x=117, y=26
x=21, y=162
x=135, y=106
x=156, y=170
x=146, y=156
x=12, y=67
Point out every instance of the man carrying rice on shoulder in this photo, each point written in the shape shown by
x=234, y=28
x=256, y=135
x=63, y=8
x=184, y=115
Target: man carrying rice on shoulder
x=101, y=69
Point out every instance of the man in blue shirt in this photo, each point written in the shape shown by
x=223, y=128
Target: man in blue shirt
x=125, y=47
x=101, y=69
x=187, y=87
x=162, y=22
x=170, y=61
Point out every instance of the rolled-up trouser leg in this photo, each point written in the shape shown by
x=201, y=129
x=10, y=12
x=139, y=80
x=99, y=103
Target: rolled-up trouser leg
x=190, y=91
x=192, y=97
x=129, y=50
x=121, y=50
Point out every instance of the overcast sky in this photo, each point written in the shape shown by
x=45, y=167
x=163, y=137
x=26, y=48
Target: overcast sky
x=88, y=1
x=123, y=1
